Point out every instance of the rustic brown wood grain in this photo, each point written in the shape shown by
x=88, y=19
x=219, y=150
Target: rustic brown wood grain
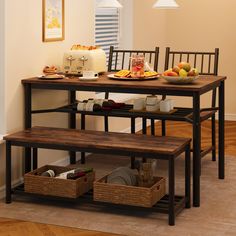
x=202, y=84
x=11, y=227
x=115, y=142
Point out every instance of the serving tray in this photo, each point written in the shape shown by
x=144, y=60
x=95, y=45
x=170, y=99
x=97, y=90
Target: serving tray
x=112, y=76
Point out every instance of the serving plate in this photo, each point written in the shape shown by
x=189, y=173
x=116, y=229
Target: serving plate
x=51, y=77
x=112, y=76
x=180, y=80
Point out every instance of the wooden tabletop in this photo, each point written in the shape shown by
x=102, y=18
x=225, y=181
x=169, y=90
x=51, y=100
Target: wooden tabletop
x=203, y=84
x=116, y=143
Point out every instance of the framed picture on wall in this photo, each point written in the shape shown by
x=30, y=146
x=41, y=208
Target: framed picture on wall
x=53, y=20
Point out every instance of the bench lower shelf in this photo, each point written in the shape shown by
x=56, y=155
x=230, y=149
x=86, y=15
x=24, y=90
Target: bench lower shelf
x=161, y=206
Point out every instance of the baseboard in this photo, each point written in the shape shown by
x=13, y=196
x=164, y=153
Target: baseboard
x=14, y=183
x=230, y=117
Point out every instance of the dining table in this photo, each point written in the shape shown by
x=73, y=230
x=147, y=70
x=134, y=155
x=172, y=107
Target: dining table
x=204, y=84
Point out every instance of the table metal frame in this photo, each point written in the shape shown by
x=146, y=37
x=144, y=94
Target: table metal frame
x=194, y=93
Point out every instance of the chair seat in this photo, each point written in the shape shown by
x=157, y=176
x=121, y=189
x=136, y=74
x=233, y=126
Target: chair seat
x=204, y=115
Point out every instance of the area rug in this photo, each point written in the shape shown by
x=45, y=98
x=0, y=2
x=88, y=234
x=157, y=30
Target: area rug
x=216, y=216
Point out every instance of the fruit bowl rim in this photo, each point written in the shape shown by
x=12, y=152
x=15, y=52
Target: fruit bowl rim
x=179, y=77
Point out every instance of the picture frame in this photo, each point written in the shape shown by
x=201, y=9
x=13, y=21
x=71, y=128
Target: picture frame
x=53, y=14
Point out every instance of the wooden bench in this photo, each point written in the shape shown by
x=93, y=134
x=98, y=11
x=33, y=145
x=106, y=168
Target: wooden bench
x=165, y=148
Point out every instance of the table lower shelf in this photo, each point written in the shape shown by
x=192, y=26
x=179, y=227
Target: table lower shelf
x=161, y=206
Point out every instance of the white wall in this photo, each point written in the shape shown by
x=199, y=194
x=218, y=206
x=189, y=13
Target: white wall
x=2, y=65
x=26, y=55
x=196, y=25
x=127, y=24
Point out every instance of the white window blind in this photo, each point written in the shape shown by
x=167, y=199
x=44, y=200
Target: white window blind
x=107, y=28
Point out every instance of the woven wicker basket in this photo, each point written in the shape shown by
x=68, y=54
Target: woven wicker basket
x=34, y=183
x=129, y=195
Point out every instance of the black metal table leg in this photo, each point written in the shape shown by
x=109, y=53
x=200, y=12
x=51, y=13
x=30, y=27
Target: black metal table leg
x=82, y=128
x=132, y=132
x=106, y=126
x=144, y=132
x=221, y=130
x=196, y=150
x=152, y=127
x=28, y=123
x=171, y=191
x=72, y=123
x=163, y=128
x=8, y=172
x=35, y=158
x=187, y=177
x=213, y=137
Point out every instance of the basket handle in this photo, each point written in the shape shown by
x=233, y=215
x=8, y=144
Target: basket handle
x=157, y=188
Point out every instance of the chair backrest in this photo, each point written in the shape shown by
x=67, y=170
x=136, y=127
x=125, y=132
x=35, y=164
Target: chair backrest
x=120, y=59
x=205, y=62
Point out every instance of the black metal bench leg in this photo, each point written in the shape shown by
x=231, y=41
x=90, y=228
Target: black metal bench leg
x=171, y=191
x=82, y=158
x=213, y=137
x=152, y=127
x=35, y=158
x=8, y=172
x=187, y=177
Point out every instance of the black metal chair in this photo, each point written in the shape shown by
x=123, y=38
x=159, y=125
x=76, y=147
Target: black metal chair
x=207, y=63
x=119, y=60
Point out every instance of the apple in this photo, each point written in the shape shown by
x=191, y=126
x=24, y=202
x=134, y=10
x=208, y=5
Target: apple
x=187, y=67
x=172, y=73
x=176, y=69
x=183, y=73
x=184, y=65
x=193, y=72
x=181, y=64
x=167, y=71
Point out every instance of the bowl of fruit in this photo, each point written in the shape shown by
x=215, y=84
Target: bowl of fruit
x=183, y=73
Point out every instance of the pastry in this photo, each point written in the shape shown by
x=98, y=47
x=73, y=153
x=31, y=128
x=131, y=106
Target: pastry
x=48, y=70
x=150, y=73
x=123, y=73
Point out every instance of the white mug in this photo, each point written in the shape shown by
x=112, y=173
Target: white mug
x=139, y=104
x=151, y=100
x=89, y=74
x=165, y=106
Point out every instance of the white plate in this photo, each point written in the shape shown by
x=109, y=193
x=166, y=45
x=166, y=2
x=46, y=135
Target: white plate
x=51, y=77
x=180, y=80
x=88, y=78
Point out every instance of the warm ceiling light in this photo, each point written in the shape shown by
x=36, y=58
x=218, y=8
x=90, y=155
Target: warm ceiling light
x=109, y=4
x=166, y=4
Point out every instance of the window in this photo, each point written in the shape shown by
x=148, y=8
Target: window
x=107, y=28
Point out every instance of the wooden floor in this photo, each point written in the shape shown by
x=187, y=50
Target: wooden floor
x=10, y=227
x=183, y=129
